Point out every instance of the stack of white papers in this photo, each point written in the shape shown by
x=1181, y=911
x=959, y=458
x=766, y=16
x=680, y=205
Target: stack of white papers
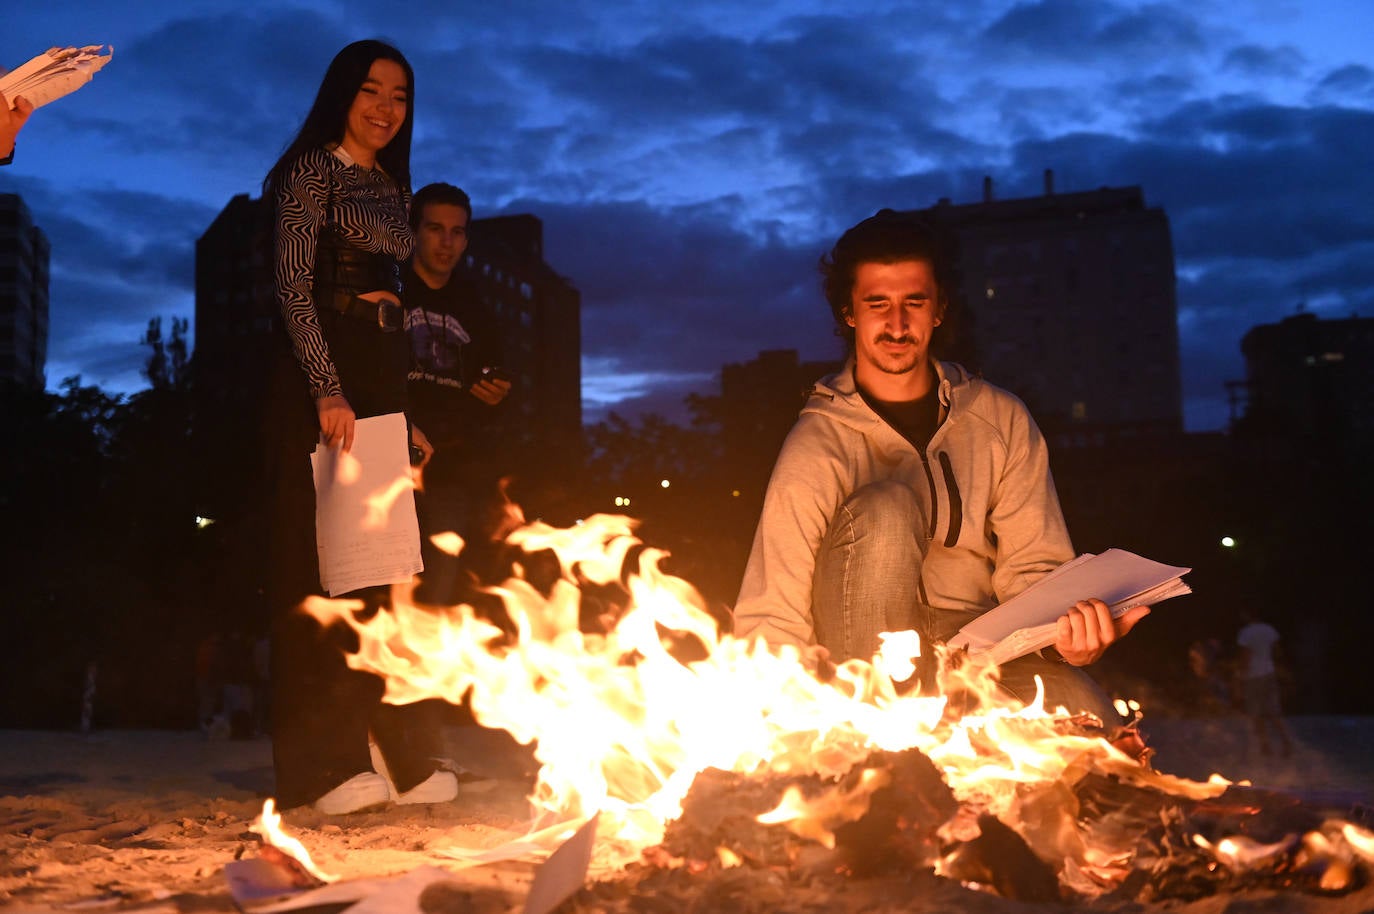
x=366, y=528
x=54, y=73
x=1028, y=621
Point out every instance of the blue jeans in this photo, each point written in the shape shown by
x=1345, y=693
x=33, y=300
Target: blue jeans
x=867, y=581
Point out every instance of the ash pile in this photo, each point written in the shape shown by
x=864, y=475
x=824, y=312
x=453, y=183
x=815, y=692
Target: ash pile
x=891, y=834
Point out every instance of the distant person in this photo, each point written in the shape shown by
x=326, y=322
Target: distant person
x=237, y=704
x=340, y=196
x=1259, y=681
x=12, y=120
x=457, y=381
x=1210, y=684
x=209, y=679
x=912, y=494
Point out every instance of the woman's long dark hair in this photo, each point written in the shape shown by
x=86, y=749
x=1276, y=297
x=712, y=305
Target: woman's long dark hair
x=329, y=114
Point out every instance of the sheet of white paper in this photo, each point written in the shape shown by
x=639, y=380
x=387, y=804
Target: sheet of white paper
x=534, y=845
x=365, y=524
x=1112, y=577
x=251, y=883
x=54, y=73
x=564, y=872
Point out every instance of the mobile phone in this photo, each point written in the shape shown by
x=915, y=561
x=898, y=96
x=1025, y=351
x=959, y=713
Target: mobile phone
x=494, y=373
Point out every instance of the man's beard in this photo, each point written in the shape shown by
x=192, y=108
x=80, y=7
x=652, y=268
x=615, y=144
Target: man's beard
x=903, y=364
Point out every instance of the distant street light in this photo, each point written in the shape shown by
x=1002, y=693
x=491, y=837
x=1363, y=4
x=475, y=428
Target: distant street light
x=1228, y=542
x=664, y=483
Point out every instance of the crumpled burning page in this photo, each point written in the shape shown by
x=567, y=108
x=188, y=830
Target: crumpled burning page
x=54, y=73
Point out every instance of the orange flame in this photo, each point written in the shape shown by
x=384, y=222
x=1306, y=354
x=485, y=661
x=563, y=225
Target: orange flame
x=268, y=825
x=622, y=727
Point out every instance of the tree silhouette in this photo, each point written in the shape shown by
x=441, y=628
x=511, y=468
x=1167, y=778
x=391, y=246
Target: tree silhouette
x=168, y=364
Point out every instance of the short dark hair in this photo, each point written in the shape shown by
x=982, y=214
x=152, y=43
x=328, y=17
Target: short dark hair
x=885, y=237
x=438, y=192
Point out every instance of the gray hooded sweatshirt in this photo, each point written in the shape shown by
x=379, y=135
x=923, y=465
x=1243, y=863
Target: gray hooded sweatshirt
x=995, y=525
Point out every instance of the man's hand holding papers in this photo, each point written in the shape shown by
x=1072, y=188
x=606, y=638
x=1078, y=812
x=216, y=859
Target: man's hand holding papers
x=1083, y=634
x=1054, y=611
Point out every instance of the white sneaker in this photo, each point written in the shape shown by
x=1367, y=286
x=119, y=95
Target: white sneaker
x=439, y=787
x=362, y=791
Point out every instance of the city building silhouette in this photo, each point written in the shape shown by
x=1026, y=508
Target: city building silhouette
x=1068, y=300
x=24, y=255
x=1308, y=379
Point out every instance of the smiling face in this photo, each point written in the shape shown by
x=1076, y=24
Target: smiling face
x=894, y=310
x=377, y=112
x=441, y=239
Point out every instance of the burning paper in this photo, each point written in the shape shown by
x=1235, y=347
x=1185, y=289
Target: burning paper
x=700, y=754
x=54, y=73
x=624, y=720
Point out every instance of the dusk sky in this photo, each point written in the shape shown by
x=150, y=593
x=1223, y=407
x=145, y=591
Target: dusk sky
x=691, y=161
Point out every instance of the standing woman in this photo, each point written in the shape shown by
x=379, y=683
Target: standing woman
x=340, y=196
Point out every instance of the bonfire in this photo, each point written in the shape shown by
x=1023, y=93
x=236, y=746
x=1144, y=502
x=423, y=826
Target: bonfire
x=718, y=768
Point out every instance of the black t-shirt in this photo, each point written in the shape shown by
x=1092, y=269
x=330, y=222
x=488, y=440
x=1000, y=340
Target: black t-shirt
x=452, y=338
x=915, y=420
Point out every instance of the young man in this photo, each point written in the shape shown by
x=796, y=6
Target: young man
x=910, y=494
x=454, y=338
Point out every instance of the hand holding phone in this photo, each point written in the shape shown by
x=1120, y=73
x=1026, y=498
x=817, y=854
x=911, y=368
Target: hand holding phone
x=493, y=383
x=495, y=373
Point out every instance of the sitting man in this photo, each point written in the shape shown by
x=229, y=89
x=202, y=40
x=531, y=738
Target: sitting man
x=911, y=494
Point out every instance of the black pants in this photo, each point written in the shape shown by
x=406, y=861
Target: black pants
x=322, y=711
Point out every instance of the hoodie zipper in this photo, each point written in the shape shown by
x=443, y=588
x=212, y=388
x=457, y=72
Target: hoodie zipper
x=956, y=501
x=934, y=518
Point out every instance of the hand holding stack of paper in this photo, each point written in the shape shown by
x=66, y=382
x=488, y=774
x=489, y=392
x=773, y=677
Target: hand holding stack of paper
x=54, y=73
x=1028, y=621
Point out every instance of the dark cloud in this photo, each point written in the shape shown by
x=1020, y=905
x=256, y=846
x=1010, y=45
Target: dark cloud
x=680, y=289
x=1251, y=180
x=1354, y=81
x=1153, y=31
x=1256, y=61
x=139, y=240
x=119, y=260
x=668, y=399
x=1075, y=30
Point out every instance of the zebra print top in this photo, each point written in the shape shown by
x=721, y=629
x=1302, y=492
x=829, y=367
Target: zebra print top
x=319, y=187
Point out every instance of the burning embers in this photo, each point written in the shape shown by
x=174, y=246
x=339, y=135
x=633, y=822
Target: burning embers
x=772, y=778
x=1119, y=843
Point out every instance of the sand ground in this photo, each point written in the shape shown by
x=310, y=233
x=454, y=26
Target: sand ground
x=147, y=820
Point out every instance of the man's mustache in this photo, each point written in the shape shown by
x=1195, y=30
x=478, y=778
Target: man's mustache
x=886, y=337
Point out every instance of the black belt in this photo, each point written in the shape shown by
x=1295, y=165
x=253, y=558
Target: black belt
x=386, y=314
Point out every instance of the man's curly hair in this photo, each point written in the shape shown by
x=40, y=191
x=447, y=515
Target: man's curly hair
x=885, y=237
